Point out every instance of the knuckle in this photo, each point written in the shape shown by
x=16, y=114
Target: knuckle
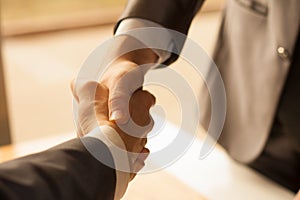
x=150, y=97
x=88, y=85
x=143, y=96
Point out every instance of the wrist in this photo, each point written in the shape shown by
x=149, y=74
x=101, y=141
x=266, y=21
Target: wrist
x=128, y=48
x=139, y=57
x=109, y=136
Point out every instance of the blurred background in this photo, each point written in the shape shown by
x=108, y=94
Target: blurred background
x=45, y=42
x=33, y=16
x=43, y=46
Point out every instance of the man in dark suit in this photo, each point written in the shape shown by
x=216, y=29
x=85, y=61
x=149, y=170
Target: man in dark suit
x=70, y=170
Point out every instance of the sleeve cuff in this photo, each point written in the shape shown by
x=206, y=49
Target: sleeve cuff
x=115, y=144
x=165, y=41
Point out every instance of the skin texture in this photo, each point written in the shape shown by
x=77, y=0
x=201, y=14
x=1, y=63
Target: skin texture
x=93, y=108
x=124, y=75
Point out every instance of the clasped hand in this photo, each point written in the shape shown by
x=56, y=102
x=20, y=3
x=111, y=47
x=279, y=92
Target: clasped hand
x=93, y=110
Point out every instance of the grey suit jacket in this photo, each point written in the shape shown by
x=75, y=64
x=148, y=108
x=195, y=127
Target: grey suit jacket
x=253, y=54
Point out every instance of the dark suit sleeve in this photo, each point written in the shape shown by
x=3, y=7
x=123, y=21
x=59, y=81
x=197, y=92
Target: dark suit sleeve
x=67, y=171
x=172, y=14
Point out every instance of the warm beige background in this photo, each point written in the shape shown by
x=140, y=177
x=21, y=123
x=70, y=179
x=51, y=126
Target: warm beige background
x=39, y=68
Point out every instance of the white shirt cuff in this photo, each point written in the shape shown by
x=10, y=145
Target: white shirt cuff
x=165, y=40
x=114, y=142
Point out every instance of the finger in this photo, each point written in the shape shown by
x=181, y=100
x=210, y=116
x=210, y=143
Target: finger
x=144, y=154
x=149, y=99
x=121, y=92
x=144, y=142
x=101, y=103
x=140, y=104
x=143, y=98
x=92, y=106
x=79, y=131
x=75, y=98
x=85, y=90
x=138, y=148
x=72, y=86
x=138, y=126
x=132, y=176
x=118, y=105
x=140, y=162
x=87, y=117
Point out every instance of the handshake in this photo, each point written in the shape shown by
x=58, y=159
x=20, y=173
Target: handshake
x=112, y=115
x=124, y=111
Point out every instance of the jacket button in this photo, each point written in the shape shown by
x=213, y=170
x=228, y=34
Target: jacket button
x=283, y=53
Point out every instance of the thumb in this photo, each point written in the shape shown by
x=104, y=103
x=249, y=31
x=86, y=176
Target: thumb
x=72, y=86
x=84, y=90
x=121, y=92
x=101, y=103
x=92, y=104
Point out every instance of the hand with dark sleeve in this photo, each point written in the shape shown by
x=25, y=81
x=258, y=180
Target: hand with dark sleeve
x=67, y=171
x=176, y=15
x=70, y=170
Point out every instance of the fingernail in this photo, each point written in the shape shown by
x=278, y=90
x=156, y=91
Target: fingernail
x=145, y=150
x=116, y=115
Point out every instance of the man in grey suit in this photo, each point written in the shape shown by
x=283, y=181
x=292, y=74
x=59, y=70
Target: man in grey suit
x=258, y=57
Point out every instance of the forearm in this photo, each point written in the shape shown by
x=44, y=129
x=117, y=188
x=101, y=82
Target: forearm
x=175, y=15
x=138, y=53
x=67, y=171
